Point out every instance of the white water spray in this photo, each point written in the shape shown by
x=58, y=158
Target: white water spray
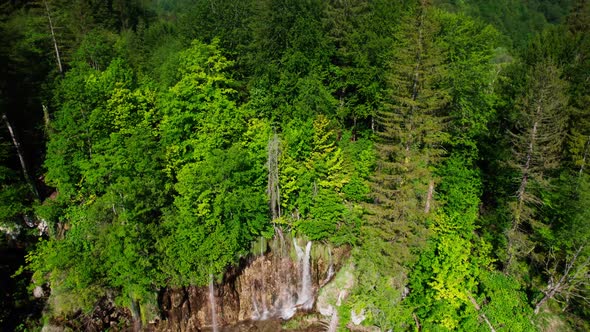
x=290, y=281
x=330, y=273
x=298, y=250
x=306, y=293
x=256, y=312
x=333, y=327
x=212, y=304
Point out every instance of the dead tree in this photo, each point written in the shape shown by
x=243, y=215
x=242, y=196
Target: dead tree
x=570, y=283
x=21, y=156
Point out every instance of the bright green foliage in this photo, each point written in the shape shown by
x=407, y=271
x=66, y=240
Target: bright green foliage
x=220, y=201
x=311, y=173
x=180, y=131
x=359, y=161
x=114, y=177
x=448, y=271
x=215, y=217
x=112, y=187
x=459, y=195
x=316, y=193
x=506, y=305
x=81, y=122
x=199, y=113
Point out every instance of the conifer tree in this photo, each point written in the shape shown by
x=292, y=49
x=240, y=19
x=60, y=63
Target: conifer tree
x=410, y=135
x=410, y=131
x=536, y=149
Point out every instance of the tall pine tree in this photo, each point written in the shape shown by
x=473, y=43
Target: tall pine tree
x=410, y=135
x=536, y=150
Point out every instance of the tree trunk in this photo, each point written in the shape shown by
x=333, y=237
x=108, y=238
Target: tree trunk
x=274, y=193
x=429, y=196
x=136, y=315
x=418, y=326
x=543, y=300
x=555, y=288
x=527, y=165
x=46, y=118
x=21, y=156
x=53, y=38
x=522, y=189
x=585, y=156
x=482, y=315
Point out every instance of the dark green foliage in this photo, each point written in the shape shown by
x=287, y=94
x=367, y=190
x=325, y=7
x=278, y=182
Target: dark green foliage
x=228, y=20
x=536, y=149
x=436, y=147
x=518, y=20
x=290, y=60
x=410, y=137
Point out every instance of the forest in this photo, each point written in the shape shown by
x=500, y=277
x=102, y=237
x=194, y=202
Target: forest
x=443, y=145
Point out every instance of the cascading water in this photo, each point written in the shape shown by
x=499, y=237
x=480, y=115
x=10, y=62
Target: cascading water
x=265, y=313
x=333, y=327
x=281, y=279
x=284, y=304
x=330, y=273
x=255, y=312
x=306, y=293
x=298, y=251
x=212, y=304
x=286, y=288
x=135, y=311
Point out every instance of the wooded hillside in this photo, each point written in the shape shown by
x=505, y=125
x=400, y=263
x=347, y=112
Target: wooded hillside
x=445, y=143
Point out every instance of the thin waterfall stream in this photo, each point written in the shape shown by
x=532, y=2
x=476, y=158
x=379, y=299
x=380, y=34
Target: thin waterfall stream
x=306, y=293
x=212, y=304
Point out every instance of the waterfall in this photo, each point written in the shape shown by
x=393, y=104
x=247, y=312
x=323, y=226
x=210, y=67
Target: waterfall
x=273, y=190
x=136, y=315
x=333, y=327
x=256, y=312
x=288, y=286
x=263, y=298
x=298, y=251
x=259, y=309
x=212, y=304
x=283, y=306
x=330, y=273
x=306, y=293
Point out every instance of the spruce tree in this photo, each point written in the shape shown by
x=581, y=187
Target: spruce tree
x=536, y=150
x=410, y=136
x=410, y=133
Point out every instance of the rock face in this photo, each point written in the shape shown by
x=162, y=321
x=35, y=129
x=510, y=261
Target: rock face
x=104, y=316
x=273, y=285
